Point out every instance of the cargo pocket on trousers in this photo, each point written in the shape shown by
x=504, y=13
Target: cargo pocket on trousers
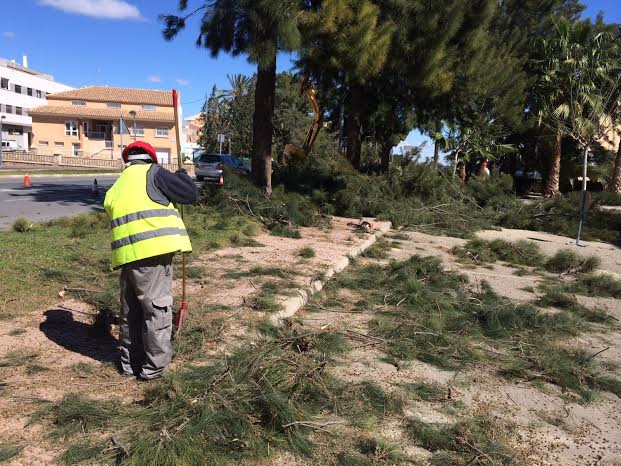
x=163, y=312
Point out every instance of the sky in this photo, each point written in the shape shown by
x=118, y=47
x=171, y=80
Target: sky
x=119, y=43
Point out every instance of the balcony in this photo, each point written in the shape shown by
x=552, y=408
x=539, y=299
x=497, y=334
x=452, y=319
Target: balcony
x=96, y=134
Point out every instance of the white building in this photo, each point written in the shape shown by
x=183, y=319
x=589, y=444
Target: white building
x=22, y=88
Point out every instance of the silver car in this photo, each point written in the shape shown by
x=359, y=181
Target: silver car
x=208, y=167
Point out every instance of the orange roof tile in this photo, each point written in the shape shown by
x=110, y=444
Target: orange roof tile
x=117, y=94
x=104, y=113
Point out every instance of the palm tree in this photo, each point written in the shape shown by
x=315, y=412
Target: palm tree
x=573, y=89
x=257, y=29
x=239, y=84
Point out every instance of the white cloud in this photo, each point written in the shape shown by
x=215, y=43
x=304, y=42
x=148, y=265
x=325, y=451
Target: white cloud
x=105, y=9
x=182, y=82
x=154, y=79
x=8, y=34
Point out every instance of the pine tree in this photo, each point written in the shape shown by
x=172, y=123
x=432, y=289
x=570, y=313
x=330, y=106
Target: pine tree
x=257, y=29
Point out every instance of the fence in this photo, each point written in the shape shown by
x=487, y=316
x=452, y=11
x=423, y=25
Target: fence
x=59, y=160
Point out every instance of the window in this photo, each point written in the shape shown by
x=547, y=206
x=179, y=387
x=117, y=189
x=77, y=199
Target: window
x=79, y=103
x=29, y=91
x=161, y=132
x=148, y=108
x=113, y=105
x=85, y=127
x=44, y=143
x=18, y=89
x=75, y=148
x=18, y=111
x=38, y=95
x=71, y=128
x=59, y=144
x=4, y=83
x=139, y=130
x=8, y=108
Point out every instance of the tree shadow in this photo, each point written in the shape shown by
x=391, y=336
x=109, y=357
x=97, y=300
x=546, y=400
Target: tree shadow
x=64, y=195
x=90, y=340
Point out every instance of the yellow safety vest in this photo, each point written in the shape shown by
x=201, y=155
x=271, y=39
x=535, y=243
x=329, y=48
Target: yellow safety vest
x=144, y=223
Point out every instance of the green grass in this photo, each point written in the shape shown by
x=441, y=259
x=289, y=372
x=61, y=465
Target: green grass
x=477, y=440
x=425, y=313
x=379, y=250
x=602, y=285
x=426, y=391
x=521, y=252
x=567, y=261
x=285, y=231
x=22, y=225
x=260, y=271
x=307, y=252
x=8, y=451
x=75, y=252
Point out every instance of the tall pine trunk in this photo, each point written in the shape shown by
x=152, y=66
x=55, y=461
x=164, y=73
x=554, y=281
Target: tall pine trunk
x=386, y=148
x=554, y=168
x=263, y=126
x=615, y=183
x=353, y=127
x=436, y=147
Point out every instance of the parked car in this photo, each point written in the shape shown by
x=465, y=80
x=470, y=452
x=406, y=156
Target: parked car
x=10, y=146
x=210, y=166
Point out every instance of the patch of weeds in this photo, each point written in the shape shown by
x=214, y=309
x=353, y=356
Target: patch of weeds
x=80, y=452
x=476, y=441
x=521, y=252
x=285, y=231
x=32, y=369
x=18, y=358
x=251, y=229
x=397, y=235
x=601, y=285
x=75, y=413
x=520, y=272
x=9, y=451
x=194, y=272
x=379, y=250
x=555, y=297
x=567, y=261
x=22, y=225
x=16, y=332
x=307, y=252
x=260, y=272
x=572, y=369
x=426, y=391
x=379, y=451
x=331, y=343
x=216, y=307
x=83, y=369
x=190, y=342
x=366, y=402
x=265, y=299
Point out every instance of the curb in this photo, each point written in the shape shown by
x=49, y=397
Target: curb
x=294, y=304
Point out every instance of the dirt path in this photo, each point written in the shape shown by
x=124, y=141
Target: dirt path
x=551, y=428
x=49, y=354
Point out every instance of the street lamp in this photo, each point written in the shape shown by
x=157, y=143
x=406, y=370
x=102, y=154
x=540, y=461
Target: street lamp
x=133, y=115
x=1, y=122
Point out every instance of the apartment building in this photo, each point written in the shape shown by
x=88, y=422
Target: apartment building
x=22, y=88
x=92, y=121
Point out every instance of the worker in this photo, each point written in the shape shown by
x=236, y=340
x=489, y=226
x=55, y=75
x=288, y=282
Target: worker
x=147, y=230
x=485, y=173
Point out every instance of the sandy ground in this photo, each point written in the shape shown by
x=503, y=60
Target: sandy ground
x=58, y=351
x=553, y=429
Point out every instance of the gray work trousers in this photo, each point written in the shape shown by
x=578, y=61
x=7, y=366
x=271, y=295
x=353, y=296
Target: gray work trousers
x=146, y=316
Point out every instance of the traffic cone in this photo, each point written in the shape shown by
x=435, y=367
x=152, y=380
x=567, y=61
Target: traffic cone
x=95, y=188
x=221, y=182
x=26, y=180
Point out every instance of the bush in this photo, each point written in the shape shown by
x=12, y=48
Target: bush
x=307, y=252
x=567, y=261
x=22, y=225
x=521, y=252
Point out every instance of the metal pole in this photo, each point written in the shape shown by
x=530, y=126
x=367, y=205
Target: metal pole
x=584, y=192
x=220, y=139
x=1, y=120
x=134, y=127
x=121, y=124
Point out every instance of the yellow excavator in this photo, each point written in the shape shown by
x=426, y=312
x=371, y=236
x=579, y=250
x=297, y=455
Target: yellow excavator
x=293, y=152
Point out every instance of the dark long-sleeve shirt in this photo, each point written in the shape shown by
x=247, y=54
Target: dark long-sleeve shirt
x=178, y=187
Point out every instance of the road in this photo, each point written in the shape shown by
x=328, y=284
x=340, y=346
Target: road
x=50, y=197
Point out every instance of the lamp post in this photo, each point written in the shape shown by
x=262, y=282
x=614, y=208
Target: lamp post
x=1, y=122
x=133, y=115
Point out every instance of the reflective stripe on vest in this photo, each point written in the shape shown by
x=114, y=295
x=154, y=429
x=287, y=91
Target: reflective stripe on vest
x=142, y=226
x=119, y=243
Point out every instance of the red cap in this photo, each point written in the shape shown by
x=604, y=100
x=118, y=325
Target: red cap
x=146, y=148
